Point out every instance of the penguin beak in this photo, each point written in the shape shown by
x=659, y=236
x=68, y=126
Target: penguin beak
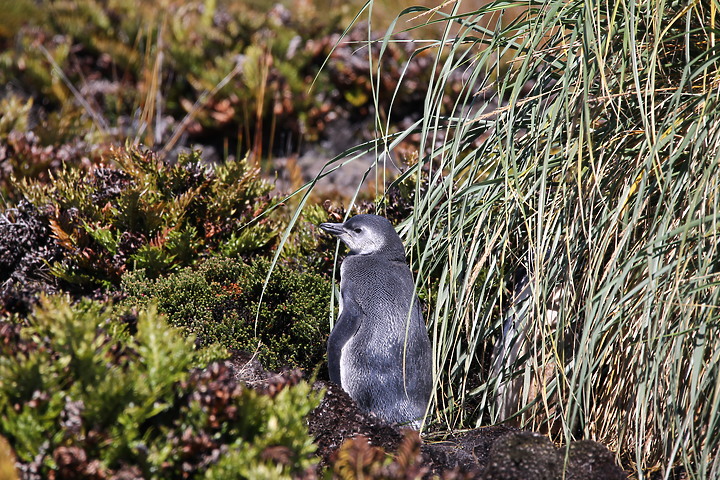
x=333, y=228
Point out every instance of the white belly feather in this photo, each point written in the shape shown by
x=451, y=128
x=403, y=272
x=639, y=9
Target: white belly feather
x=344, y=367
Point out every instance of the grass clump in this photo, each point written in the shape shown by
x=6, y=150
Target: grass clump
x=220, y=302
x=87, y=393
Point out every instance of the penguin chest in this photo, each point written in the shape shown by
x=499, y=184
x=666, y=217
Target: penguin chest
x=345, y=366
x=364, y=357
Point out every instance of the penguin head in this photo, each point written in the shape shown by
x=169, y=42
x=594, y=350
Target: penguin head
x=368, y=235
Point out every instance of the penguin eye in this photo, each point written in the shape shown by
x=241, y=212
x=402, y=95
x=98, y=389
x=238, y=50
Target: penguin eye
x=358, y=230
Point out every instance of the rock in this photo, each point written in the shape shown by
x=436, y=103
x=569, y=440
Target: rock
x=523, y=456
x=592, y=461
x=468, y=451
x=247, y=368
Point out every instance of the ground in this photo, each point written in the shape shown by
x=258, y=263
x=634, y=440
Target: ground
x=493, y=452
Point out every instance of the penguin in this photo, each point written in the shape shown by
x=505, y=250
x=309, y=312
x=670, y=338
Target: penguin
x=379, y=350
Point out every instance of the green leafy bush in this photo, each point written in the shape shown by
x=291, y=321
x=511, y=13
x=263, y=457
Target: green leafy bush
x=219, y=301
x=88, y=393
x=86, y=228
x=151, y=214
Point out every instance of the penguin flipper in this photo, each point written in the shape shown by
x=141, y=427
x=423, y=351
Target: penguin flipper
x=346, y=327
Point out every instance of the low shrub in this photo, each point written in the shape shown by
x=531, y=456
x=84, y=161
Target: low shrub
x=220, y=301
x=144, y=212
x=86, y=392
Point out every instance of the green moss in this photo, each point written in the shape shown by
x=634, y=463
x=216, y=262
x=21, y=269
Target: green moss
x=220, y=302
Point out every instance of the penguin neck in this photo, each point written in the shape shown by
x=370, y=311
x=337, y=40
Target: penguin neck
x=392, y=255
x=395, y=251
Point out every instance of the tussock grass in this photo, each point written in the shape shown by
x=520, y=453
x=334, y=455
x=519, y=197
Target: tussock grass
x=582, y=148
